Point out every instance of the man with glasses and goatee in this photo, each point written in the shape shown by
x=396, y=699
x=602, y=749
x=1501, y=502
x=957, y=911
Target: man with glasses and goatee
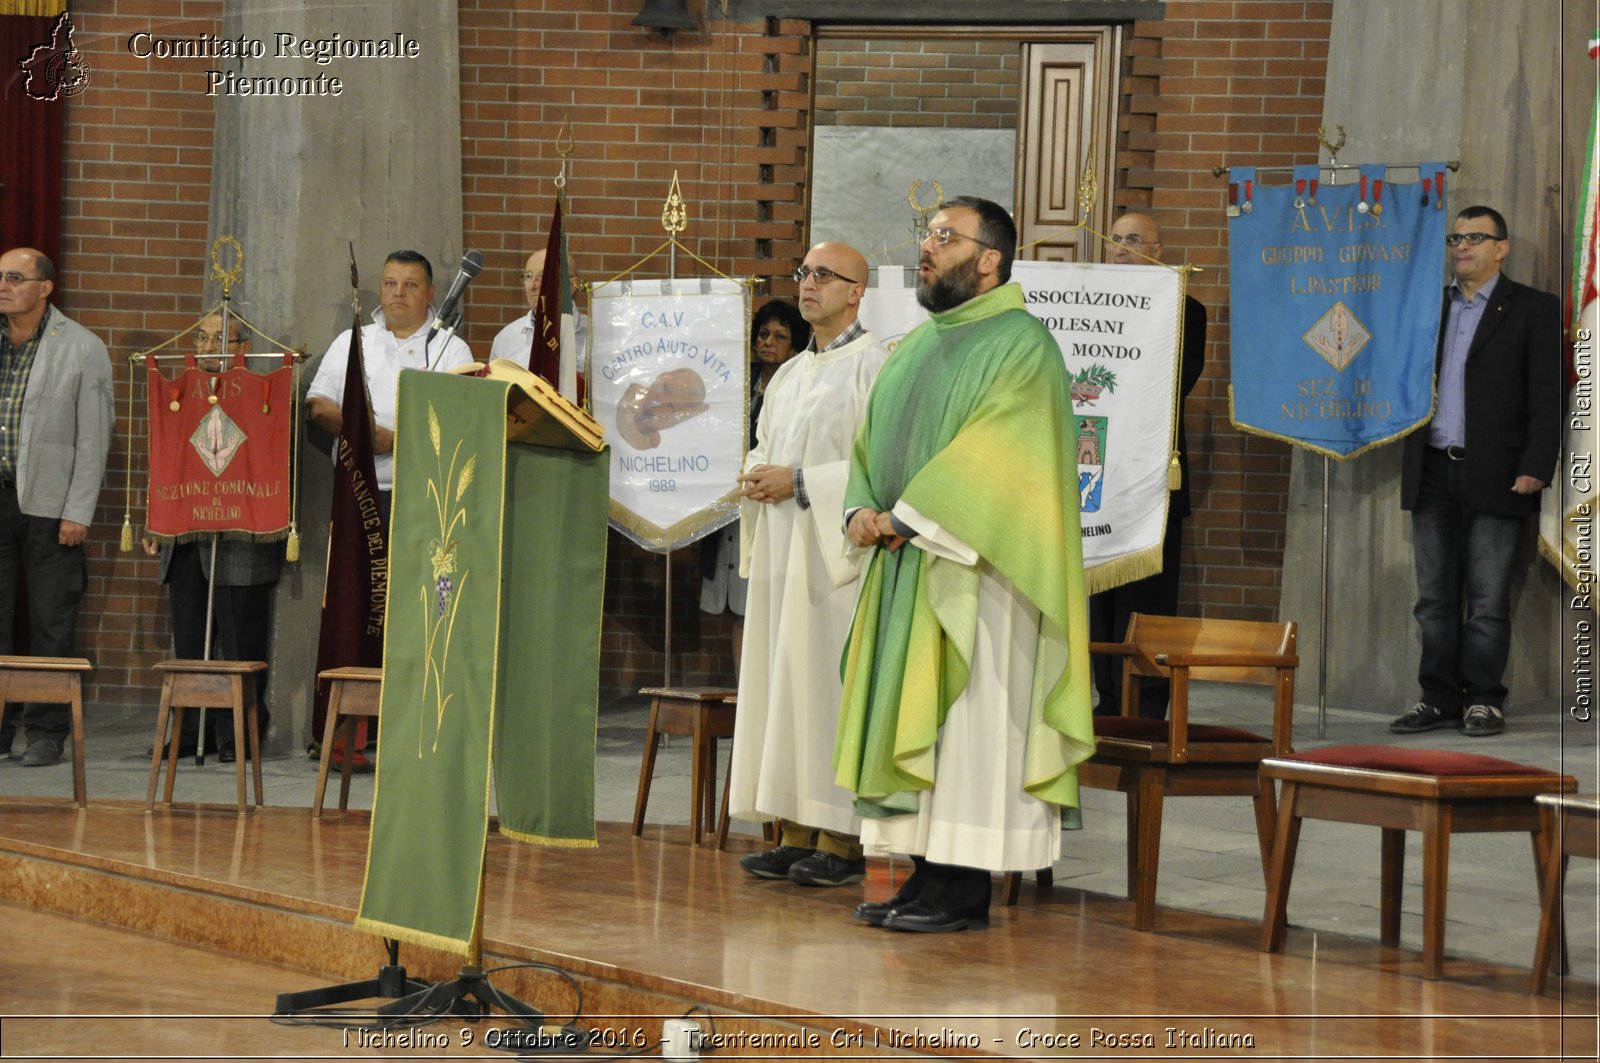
x=803, y=583
x=966, y=684
x=55, y=431
x=1473, y=476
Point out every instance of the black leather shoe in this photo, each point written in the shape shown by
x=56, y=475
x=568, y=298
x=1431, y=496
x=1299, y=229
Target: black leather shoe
x=227, y=755
x=924, y=918
x=873, y=912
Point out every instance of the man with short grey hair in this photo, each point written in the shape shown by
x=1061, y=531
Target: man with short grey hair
x=55, y=432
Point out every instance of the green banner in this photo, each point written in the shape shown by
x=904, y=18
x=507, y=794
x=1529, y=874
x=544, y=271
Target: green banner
x=495, y=578
x=554, y=579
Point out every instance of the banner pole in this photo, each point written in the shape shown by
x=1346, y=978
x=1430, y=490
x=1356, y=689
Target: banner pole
x=1322, y=626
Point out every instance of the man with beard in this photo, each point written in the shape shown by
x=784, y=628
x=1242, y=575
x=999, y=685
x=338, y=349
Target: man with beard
x=966, y=686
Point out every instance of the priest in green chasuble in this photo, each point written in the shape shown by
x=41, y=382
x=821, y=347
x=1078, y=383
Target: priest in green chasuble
x=966, y=701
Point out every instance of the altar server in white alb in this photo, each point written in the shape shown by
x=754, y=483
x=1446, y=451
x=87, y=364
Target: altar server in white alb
x=802, y=583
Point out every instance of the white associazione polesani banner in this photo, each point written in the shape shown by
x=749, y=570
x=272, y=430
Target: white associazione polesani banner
x=668, y=378
x=1118, y=331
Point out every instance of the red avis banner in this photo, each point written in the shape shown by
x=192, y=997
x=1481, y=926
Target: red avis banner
x=219, y=452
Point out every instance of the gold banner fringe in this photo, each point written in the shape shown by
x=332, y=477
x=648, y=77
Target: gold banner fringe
x=36, y=8
x=1302, y=444
x=1564, y=559
x=277, y=536
x=652, y=535
x=555, y=843
x=1109, y=574
x=455, y=946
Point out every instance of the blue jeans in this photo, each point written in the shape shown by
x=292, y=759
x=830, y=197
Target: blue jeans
x=1465, y=563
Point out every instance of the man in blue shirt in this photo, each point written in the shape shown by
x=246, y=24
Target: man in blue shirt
x=1473, y=476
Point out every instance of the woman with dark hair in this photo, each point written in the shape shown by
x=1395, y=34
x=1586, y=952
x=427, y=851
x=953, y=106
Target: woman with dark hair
x=776, y=334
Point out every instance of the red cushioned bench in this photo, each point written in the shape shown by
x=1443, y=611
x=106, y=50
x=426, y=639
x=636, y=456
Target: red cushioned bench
x=1436, y=792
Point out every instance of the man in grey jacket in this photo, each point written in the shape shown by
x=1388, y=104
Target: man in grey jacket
x=55, y=431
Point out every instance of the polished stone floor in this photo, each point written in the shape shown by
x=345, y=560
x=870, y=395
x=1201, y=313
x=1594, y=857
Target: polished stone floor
x=684, y=926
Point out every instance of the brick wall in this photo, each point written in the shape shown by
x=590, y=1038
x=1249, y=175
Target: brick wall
x=137, y=164
x=969, y=84
x=728, y=106
x=724, y=106
x=1221, y=83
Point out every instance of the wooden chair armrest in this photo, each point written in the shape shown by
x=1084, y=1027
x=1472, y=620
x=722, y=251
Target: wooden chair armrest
x=1112, y=649
x=1214, y=660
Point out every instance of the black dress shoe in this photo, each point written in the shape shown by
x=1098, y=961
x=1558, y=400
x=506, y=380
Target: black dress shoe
x=227, y=755
x=873, y=912
x=924, y=918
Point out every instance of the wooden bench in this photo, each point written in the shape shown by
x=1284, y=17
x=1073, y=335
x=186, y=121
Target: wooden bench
x=352, y=694
x=1572, y=825
x=705, y=714
x=1436, y=792
x=195, y=684
x=51, y=681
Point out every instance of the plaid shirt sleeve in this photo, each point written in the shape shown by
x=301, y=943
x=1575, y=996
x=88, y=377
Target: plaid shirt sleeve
x=800, y=496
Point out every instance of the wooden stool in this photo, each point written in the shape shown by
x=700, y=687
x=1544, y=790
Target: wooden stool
x=191, y=684
x=53, y=681
x=705, y=714
x=1432, y=791
x=352, y=692
x=1572, y=825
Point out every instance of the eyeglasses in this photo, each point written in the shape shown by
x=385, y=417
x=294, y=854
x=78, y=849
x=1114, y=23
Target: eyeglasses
x=821, y=274
x=526, y=277
x=942, y=237
x=1130, y=240
x=1457, y=239
x=13, y=277
x=207, y=340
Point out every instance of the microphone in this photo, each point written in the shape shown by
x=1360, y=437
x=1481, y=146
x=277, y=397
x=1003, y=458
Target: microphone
x=471, y=265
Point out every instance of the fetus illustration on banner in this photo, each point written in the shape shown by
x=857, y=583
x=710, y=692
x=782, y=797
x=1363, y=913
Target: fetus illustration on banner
x=672, y=398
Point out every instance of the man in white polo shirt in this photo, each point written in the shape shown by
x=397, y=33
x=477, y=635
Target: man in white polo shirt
x=397, y=339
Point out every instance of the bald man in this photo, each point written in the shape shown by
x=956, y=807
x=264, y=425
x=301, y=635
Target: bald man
x=1136, y=240
x=802, y=585
x=515, y=341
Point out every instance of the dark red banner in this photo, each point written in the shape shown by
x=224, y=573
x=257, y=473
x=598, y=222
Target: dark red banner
x=219, y=452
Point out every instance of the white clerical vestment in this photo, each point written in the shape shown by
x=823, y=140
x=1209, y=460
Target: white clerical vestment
x=977, y=813
x=802, y=593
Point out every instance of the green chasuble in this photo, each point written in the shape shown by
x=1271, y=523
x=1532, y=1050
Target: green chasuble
x=491, y=650
x=970, y=423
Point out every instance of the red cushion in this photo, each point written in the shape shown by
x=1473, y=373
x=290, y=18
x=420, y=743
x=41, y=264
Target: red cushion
x=1414, y=761
x=1138, y=729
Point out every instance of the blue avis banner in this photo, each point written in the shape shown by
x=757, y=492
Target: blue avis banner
x=1334, y=292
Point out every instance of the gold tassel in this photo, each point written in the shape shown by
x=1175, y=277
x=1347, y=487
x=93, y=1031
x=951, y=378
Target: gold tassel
x=127, y=535
x=1174, y=473
x=291, y=552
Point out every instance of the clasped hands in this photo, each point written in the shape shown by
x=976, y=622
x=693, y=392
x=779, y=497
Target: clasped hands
x=768, y=484
x=869, y=527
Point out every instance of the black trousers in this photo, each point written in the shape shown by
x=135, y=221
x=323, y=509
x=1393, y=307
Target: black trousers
x=56, y=578
x=948, y=887
x=1155, y=595
x=241, y=630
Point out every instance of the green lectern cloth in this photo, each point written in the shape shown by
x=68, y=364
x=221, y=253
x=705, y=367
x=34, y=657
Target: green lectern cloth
x=491, y=655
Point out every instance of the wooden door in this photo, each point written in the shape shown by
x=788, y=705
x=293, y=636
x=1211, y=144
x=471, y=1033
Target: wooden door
x=1067, y=125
